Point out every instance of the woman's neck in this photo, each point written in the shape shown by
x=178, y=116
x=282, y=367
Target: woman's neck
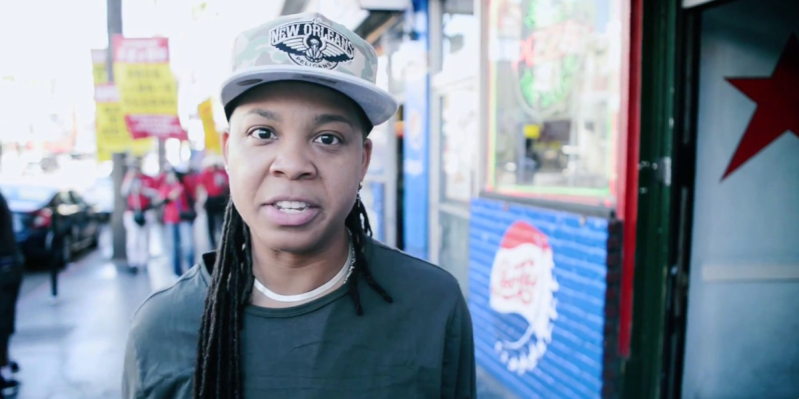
x=292, y=274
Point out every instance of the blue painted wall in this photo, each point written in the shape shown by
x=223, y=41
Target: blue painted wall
x=416, y=165
x=573, y=362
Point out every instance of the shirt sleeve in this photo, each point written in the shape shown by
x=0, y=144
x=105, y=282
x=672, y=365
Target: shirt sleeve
x=459, y=379
x=131, y=377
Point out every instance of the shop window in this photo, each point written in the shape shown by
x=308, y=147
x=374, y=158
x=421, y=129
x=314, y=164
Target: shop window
x=458, y=124
x=554, y=99
x=460, y=44
x=457, y=92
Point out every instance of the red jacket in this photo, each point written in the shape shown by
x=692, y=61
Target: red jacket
x=137, y=198
x=191, y=181
x=215, y=181
x=174, y=207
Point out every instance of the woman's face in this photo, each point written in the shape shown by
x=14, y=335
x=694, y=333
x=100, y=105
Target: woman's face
x=295, y=153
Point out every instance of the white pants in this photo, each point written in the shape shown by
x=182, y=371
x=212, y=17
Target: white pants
x=138, y=239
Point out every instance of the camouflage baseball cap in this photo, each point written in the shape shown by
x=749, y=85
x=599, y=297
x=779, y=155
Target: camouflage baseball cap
x=309, y=47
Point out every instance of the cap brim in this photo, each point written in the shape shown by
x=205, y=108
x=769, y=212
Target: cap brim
x=377, y=104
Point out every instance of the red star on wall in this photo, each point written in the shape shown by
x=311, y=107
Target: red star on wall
x=777, y=112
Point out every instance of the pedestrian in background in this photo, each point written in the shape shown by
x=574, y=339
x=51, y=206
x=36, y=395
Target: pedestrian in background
x=11, y=264
x=299, y=301
x=179, y=216
x=214, y=181
x=139, y=190
x=190, y=178
x=191, y=181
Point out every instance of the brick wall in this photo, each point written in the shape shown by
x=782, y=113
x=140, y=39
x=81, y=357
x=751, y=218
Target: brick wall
x=579, y=361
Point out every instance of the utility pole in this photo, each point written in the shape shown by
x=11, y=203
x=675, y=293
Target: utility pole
x=114, y=18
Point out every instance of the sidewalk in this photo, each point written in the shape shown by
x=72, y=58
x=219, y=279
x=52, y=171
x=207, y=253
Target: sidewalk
x=73, y=346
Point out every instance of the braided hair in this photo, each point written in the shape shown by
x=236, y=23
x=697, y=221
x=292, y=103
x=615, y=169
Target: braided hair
x=217, y=372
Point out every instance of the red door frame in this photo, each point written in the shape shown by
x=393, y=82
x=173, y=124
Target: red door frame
x=628, y=196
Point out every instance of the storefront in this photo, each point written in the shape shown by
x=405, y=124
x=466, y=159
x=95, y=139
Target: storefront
x=508, y=159
x=538, y=219
x=518, y=164
x=717, y=272
x=454, y=132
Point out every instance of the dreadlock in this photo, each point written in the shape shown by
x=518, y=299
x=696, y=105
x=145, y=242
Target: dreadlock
x=217, y=373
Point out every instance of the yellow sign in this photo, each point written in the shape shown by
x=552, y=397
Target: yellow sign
x=213, y=144
x=110, y=128
x=112, y=133
x=143, y=76
x=532, y=131
x=99, y=71
x=146, y=89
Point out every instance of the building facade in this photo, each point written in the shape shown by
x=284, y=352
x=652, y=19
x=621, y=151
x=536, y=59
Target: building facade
x=612, y=183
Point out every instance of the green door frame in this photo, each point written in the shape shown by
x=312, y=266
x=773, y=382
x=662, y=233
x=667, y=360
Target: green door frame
x=643, y=371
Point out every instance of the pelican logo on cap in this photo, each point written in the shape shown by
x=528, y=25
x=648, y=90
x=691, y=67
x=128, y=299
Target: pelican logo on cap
x=312, y=43
x=308, y=47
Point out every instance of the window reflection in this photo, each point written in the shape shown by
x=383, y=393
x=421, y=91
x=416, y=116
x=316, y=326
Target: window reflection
x=554, y=96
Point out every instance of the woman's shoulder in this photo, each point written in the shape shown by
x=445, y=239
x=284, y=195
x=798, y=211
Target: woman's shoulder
x=172, y=313
x=402, y=271
x=162, y=344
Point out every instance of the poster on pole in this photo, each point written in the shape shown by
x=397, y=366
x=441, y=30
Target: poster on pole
x=148, y=90
x=99, y=71
x=213, y=144
x=111, y=132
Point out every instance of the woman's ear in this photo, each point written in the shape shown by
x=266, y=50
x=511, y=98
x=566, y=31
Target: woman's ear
x=367, y=157
x=225, y=140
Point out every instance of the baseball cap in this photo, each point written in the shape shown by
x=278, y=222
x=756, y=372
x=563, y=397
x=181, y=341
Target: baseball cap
x=309, y=47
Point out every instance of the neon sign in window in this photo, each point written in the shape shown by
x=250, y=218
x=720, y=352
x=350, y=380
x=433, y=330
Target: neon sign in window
x=554, y=98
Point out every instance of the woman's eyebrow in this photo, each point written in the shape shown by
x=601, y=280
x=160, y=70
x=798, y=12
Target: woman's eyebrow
x=265, y=114
x=322, y=119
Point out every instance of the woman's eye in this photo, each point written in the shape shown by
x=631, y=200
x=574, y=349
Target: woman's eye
x=262, y=133
x=327, y=139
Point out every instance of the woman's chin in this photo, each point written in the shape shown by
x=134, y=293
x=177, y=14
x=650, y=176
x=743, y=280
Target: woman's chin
x=299, y=241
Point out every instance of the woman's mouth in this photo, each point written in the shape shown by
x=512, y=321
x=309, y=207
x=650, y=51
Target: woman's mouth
x=291, y=206
x=286, y=213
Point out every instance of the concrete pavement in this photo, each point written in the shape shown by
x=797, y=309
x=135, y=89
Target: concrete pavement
x=73, y=347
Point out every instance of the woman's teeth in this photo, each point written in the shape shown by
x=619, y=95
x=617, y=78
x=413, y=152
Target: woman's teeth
x=291, y=206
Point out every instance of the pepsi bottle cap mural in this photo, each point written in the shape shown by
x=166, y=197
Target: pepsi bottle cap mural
x=522, y=285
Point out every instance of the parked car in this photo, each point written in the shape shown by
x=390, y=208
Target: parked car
x=51, y=224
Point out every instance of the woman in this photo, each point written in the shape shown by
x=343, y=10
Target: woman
x=299, y=301
x=139, y=191
x=10, y=282
x=178, y=217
